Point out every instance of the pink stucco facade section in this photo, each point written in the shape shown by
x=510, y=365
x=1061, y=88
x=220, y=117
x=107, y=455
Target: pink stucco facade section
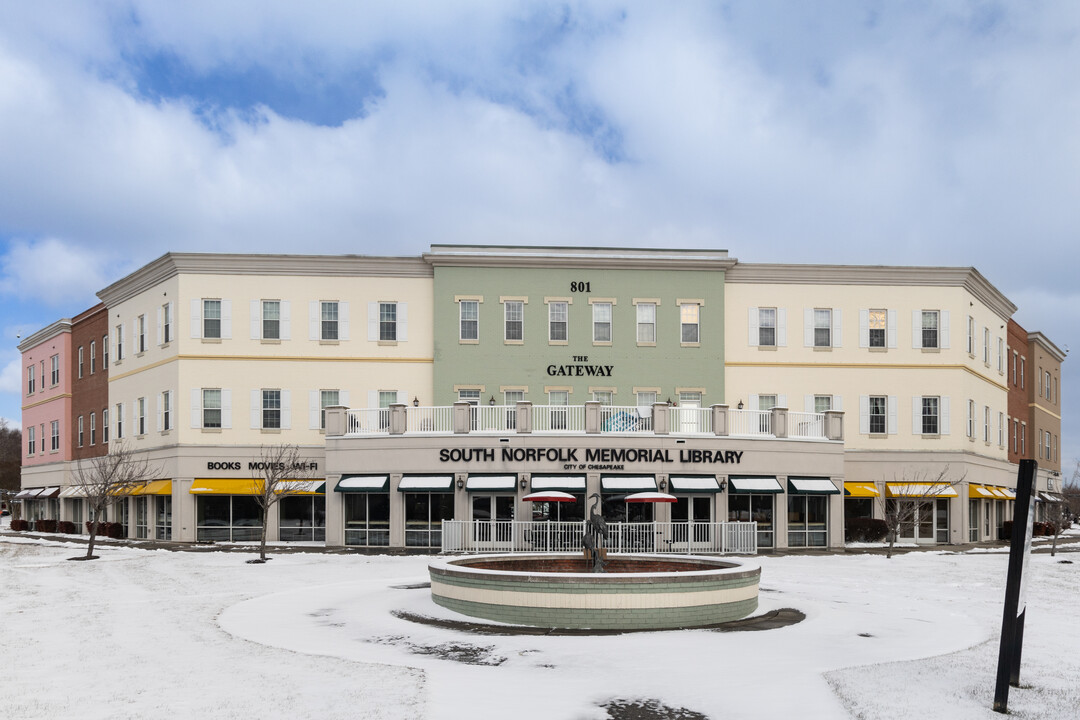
x=49, y=401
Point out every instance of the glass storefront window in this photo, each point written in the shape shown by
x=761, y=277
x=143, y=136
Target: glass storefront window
x=808, y=520
x=424, y=513
x=142, y=527
x=164, y=517
x=224, y=518
x=754, y=508
x=302, y=518
x=367, y=519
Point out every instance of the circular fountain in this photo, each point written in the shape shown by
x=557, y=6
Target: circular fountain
x=634, y=592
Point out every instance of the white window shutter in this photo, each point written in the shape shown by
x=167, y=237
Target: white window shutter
x=943, y=329
x=781, y=327
x=894, y=405
x=160, y=321
x=838, y=403
x=781, y=401
x=256, y=409
x=837, y=328
x=943, y=419
x=313, y=320
x=891, y=329
x=753, y=403
x=286, y=320
x=112, y=350
x=373, y=322
x=286, y=410
x=403, y=322
x=132, y=340
x=808, y=403
x=196, y=407
x=864, y=328
x=256, y=320
x=916, y=415
x=226, y=409
x=403, y=397
x=343, y=398
x=373, y=399
x=314, y=405
x=158, y=404
x=752, y=323
x=343, y=320
x=226, y=319
x=864, y=414
x=196, y=318
x=969, y=419
x=808, y=327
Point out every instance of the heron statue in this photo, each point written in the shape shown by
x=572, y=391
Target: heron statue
x=595, y=532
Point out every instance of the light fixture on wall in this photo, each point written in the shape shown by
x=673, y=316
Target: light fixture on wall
x=723, y=485
x=415, y=401
x=740, y=405
x=521, y=484
x=460, y=483
x=491, y=400
x=663, y=485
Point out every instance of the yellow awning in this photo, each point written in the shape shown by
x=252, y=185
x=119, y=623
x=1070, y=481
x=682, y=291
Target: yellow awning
x=157, y=487
x=129, y=490
x=220, y=486
x=941, y=490
x=979, y=491
x=861, y=490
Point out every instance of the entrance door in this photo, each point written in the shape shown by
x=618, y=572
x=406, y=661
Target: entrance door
x=691, y=517
x=924, y=521
x=492, y=516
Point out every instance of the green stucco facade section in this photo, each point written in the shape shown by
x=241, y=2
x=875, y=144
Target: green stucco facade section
x=537, y=363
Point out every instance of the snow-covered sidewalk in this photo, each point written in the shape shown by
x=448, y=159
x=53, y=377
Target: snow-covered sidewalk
x=143, y=633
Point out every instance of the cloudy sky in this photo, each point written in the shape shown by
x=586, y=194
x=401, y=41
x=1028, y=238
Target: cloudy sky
x=936, y=133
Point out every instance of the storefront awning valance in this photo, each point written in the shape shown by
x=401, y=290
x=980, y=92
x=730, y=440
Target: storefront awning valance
x=223, y=486
x=301, y=487
x=754, y=485
x=989, y=492
x=1050, y=498
x=48, y=492
x=491, y=483
x=627, y=483
x=565, y=483
x=157, y=487
x=861, y=490
x=1009, y=492
x=694, y=484
x=73, y=491
x=27, y=494
x=812, y=486
x=426, y=483
x=364, y=484
x=936, y=490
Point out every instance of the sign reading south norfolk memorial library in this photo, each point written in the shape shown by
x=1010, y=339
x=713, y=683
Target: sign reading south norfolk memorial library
x=591, y=456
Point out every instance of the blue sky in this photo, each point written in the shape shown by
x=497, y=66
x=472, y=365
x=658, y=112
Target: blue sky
x=920, y=133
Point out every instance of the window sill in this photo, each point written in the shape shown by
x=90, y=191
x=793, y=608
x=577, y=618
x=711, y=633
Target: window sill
x=388, y=343
x=818, y=348
x=556, y=342
x=930, y=436
x=601, y=343
x=270, y=341
x=931, y=350
x=693, y=344
x=879, y=436
x=211, y=341
x=513, y=342
x=139, y=354
x=270, y=431
x=971, y=355
x=214, y=431
x=165, y=432
x=468, y=342
x=766, y=348
x=878, y=349
x=165, y=344
x=646, y=344
x=329, y=342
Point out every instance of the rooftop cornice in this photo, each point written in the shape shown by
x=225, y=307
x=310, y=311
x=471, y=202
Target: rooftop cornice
x=88, y=313
x=1047, y=344
x=172, y=264
x=966, y=277
x=46, y=333
x=506, y=256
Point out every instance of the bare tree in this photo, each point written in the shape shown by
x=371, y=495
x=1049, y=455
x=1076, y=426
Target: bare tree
x=1056, y=515
x=280, y=472
x=919, y=491
x=10, y=457
x=105, y=479
x=1070, y=491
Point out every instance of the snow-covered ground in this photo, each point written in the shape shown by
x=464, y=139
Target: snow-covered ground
x=144, y=633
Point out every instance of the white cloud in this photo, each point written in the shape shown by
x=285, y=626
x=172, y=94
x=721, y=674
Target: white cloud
x=11, y=377
x=52, y=271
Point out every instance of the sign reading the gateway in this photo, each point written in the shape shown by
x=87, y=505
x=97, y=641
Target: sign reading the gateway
x=580, y=368
x=594, y=458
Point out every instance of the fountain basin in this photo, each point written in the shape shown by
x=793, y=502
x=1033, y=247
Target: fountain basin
x=637, y=592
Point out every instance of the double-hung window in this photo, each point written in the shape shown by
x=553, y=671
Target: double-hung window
x=1048, y=385
x=327, y=398
x=822, y=327
x=104, y=352
x=514, y=311
x=93, y=428
x=55, y=377
x=971, y=336
x=469, y=318
x=388, y=321
x=31, y=440
x=689, y=320
x=601, y=313
x=930, y=416
x=79, y=425
x=558, y=317
x=30, y=380
x=645, y=398
x=878, y=405
x=1001, y=355
x=986, y=346
x=271, y=319
x=271, y=409
x=93, y=356
x=986, y=423
x=878, y=320
x=140, y=413
x=55, y=427
x=646, y=323
x=166, y=323
x=166, y=410
x=767, y=327
x=211, y=407
x=105, y=425
x=328, y=310
x=81, y=363
x=141, y=325
x=211, y=319
x=930, y=327
x=119, y=342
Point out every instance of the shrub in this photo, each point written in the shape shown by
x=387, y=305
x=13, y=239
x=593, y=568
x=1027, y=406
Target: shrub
x=115, y=531
x=45, y=526
x=865, y=530
x=65, y=527
x=21, y=525
x=1006, y=530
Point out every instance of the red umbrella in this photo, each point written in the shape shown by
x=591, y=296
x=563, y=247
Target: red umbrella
x=549, y=496
x=651, y=497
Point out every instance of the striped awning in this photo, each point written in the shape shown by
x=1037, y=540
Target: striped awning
x=942, y=490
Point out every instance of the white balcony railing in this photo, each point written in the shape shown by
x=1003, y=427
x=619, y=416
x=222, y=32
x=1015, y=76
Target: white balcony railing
x=690, y=420
x=654, y=537
x=493, y=418
x=367, y=421
x=806, y=425
x=558, y=418
x=625, y=419
x=429, y=419
x=749, y=422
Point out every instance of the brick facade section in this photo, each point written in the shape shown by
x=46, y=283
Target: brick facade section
x=1018, y=394
x=89, y=393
